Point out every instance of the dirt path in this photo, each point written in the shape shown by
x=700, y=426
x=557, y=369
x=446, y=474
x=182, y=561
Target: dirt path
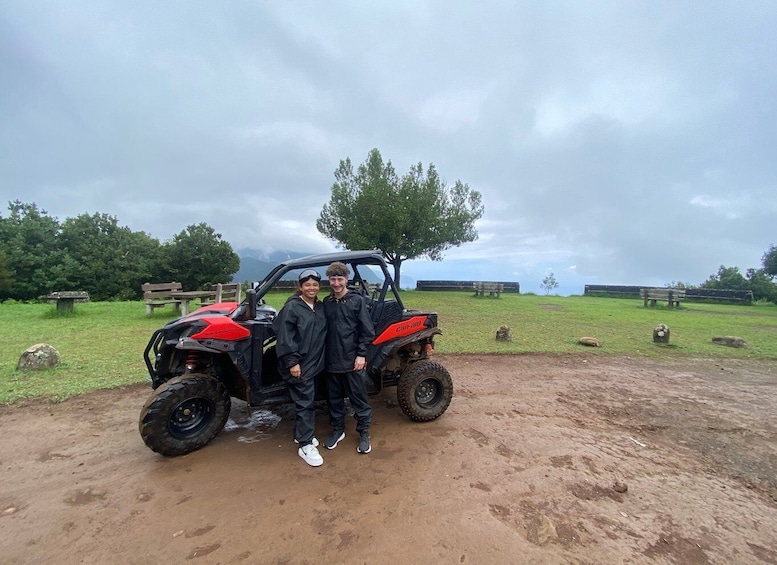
x=526, y=466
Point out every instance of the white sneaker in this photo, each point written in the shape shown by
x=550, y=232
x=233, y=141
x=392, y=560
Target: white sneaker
x=311, y=455
x=314, y=442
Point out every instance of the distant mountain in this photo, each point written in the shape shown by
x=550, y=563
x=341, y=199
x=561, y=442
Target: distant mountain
x=273, y=257
x=255, y=264
x=252, y=269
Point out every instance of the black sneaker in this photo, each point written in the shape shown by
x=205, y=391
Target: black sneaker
x=364, y=443
x=334, y=438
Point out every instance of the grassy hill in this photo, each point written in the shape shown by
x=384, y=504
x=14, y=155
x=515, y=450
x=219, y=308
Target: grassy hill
x=102, y=343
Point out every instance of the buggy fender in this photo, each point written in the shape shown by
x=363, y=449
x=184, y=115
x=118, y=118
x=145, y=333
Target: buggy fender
x=405, y=327
x=379, y=353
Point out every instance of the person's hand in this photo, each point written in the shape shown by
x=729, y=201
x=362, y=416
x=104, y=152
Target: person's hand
x=295, y=371
x=359, y=364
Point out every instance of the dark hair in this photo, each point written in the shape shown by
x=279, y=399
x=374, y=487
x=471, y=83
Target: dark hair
x=337, y=269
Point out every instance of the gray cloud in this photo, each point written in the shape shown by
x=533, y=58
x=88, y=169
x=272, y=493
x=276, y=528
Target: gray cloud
x=622, y=143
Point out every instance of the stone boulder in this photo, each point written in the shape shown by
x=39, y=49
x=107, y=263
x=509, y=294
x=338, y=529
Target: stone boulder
x=38, y=357
x=503, y=333
x=661, y=334
x=730, y=341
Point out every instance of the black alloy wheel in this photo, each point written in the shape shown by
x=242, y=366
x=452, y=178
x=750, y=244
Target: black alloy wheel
x=184, y=414
x=424, y=391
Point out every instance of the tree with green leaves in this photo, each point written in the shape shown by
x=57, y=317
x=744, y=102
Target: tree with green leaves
x=197, y=257
x=762, y=285
x=404, y=218
x=29, y=237
x=727, y=278
x=95, y=254
x=769, y=261
x=756, y=280
x=6, y=275
x=549, y=283
x=105, y=259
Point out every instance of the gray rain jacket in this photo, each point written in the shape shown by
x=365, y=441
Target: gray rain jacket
x=301, y=333
x=350, y=331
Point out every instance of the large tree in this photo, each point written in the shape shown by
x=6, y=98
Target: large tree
x=29, y=241
x=198, y=257
x=762, y=285
x=404, y=218
x=769, y=261
x=729, y=278
x=6, y=275
x=756, y=280
x=108, y=260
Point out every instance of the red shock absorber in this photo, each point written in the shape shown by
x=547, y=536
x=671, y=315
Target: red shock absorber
x=192, y=360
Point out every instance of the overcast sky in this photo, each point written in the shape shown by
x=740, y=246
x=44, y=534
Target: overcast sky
x=613, y=142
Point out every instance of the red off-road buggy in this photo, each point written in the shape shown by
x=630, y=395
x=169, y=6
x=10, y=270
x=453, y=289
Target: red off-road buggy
x=198, y=362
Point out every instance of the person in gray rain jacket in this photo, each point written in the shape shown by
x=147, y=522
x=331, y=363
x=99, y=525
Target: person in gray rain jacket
x=301, y=328
x=350, y=333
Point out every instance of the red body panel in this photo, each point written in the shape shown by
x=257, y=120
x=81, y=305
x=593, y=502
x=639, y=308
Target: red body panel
x=226, y=307
x=223, y=328
x=401, y=329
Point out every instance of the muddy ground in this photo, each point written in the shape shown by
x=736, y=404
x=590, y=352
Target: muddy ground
x=539, y=459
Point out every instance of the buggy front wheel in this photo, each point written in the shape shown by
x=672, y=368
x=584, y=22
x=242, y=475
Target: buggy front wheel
x=184, y=414
x=424, y=391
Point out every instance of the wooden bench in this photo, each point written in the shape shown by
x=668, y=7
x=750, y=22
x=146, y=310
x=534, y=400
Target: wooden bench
x=493, y=289
x=672, y=296
x=224, y=292
x=157, y=295
x=65, y=299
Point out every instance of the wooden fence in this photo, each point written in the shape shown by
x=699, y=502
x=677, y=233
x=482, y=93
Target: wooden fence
x=464, y=285
x=691, y=294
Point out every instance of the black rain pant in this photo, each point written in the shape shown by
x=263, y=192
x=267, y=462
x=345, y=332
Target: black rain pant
x=353, y=385
x=302, y=393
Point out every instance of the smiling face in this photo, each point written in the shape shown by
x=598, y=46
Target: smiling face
x=338, y=282
x=309, y=289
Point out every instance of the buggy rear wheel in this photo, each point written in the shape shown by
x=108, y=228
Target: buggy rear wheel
x=184, y=414
x=424, y=391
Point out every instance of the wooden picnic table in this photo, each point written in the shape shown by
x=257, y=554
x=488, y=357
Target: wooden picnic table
x=186, y=296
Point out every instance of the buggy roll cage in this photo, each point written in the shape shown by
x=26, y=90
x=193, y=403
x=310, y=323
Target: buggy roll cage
x=351, y=258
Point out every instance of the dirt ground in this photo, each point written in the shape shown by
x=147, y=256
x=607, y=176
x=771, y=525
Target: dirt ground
x=539, y=459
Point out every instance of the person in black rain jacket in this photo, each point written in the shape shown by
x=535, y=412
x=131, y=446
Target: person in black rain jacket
x=301, y=328
x=350, y=331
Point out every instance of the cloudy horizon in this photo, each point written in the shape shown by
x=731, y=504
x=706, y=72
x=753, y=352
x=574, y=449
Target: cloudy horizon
x=613, y=143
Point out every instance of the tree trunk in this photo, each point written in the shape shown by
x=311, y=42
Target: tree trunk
x=397, y=263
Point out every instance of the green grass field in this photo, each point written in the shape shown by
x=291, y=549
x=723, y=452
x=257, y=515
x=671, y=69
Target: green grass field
x=101, y=343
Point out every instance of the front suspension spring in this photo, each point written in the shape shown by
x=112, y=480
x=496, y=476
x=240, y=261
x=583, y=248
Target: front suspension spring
x=192, y=362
